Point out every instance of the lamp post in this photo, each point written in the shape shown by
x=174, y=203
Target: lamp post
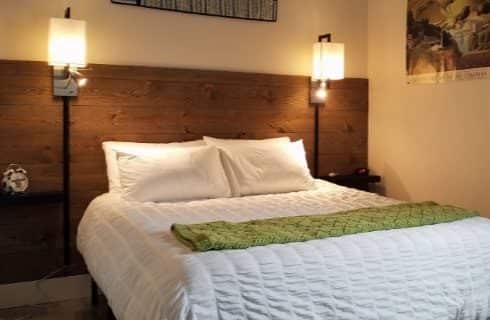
x=67, y=53
x=328, y=64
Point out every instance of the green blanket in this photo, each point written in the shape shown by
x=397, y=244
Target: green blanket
x=221, y=235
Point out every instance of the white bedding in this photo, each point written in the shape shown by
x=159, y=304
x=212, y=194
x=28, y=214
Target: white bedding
x=431, y=272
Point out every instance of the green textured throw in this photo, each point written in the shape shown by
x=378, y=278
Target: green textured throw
x=221, y=235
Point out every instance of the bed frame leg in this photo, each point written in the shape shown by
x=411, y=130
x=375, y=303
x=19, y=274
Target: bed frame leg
x=110, y=315
x=95, y=297
x=95, y=293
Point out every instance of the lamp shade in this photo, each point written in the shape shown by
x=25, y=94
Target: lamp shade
x=67, y=43
x=328, y=61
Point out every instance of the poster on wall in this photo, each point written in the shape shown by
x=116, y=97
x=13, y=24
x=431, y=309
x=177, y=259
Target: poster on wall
x=260, y=10
x=448, y=40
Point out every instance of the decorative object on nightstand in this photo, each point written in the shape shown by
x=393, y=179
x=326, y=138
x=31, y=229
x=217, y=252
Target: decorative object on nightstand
x=15, y=179
x=355, y=181
x=361, y=172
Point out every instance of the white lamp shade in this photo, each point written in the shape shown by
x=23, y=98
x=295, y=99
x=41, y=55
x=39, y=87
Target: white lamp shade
x=328, y=61
x=67, y=43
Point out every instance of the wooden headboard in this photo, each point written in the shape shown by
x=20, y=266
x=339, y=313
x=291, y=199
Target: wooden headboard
x=163, y=105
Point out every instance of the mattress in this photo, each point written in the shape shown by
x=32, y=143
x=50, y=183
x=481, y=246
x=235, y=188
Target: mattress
x=430, y=272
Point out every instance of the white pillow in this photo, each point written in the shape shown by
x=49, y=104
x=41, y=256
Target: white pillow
x=264, y=166
x=227, y=163
x=242, y=142
x=111, y=148
x=298, y=148
x=174, y=175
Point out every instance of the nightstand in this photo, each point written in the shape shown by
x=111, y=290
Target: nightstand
x=31, y=233
x=353, y=181
x=31, y=198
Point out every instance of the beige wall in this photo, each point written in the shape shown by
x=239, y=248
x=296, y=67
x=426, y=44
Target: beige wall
x=430, y=142
x=138, y=36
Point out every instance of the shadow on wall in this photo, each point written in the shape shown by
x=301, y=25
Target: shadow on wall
x=396, y=185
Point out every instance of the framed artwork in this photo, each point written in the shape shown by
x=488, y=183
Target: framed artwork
x=260, y=10
x=448, y=40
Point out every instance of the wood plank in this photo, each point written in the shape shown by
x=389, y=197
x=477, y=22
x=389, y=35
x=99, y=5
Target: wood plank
x=341, y=163
x=119, y=119
x=347, y=99
x=344, y=121
x=343, y=143
x=29, y=266
x=36, y=250
x=24, y=69
x=191, y=75
x=33, y=91
x=181, y=95
x=146, y=104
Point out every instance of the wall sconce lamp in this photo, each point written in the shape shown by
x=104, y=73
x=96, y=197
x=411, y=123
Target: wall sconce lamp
x=67, y=53
x=328, y=64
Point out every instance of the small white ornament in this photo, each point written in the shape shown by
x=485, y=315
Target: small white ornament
x=15, y=179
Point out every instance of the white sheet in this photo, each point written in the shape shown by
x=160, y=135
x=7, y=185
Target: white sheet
x=431, y=272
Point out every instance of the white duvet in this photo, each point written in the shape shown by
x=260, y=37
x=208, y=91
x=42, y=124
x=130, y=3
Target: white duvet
x=431, y=272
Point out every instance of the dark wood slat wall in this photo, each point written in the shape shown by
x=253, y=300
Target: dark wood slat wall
x=31, y=243
x=344, y=127
x=150, y=105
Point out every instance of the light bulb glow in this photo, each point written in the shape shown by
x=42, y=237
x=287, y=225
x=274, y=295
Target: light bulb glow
x=67, y=43
x=321, y=93
x=328, y=61
x=82, y=82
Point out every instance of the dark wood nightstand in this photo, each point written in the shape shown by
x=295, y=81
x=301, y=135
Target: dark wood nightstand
x=353, y=181
x=31, y=198
x=31, y=234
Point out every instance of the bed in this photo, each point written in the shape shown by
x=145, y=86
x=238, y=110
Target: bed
x=431, y=272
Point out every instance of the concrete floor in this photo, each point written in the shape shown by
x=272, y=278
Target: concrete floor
x=66, y=310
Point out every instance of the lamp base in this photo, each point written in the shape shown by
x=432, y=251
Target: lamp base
x=318, y=92
x=63, y=84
